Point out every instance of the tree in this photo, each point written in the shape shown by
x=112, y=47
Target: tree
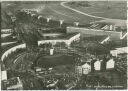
x=6, y=20
x=28, y=33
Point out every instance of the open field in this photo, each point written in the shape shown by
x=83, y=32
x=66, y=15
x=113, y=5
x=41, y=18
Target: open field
x=55, y=60
x=57, y=12
x=111, y=9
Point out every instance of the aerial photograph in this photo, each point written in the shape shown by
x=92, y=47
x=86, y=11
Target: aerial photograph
x=63, y=45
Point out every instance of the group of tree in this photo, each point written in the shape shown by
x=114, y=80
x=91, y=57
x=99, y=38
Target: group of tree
x=5, y=20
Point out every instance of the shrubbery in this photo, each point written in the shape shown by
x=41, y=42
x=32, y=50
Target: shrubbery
x=121, y=64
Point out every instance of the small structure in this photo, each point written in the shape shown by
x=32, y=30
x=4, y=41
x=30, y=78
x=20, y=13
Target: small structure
x=61, y=22
x=105, y=40
x=86, y=68
x=48, y=19
x=6, y=31
x=78, y=70
x=4, y=75
x=110, y=64
x=13, y=18
x=5, y=35
x=14, y=84
x=83, y=69
x=51, y=51
x=29, y=10
x=38, y=69
x=111, y=27
x=97, y=65
x=68, y=39
x=76, y=23
x=118, y=51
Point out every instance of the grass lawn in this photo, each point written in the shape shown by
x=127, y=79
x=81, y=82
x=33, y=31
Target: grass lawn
x=55, y=60
x=117, y=10
x=58, y=12
x=64, y=69
x=53, y=10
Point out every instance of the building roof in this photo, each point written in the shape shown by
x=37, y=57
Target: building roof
x=116, y=22
x=62, y=36
x=86, y=65
x=98, y=38
x=4, y=75
x=68, y=35
x=122, y=50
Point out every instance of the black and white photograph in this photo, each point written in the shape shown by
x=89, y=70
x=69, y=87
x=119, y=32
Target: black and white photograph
x=63, y=45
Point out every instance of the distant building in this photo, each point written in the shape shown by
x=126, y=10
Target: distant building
x=110, y=64
x=118, y=51
x=5, y=35
x=38, y=69
x=86, y=68
x=14, y=84
x=105, y=40
x=83, y=69
x=13, y=18
x=4, y=75
x=97, y=65
x=115, y=29
x=29, y=10
x=78, y=70
x=6, y=31
x=51, y=51
x=67, y=38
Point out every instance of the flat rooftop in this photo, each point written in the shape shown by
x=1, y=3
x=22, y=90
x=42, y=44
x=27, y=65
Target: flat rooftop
x=116, y=22
x=90, y=37
x=62, y=36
